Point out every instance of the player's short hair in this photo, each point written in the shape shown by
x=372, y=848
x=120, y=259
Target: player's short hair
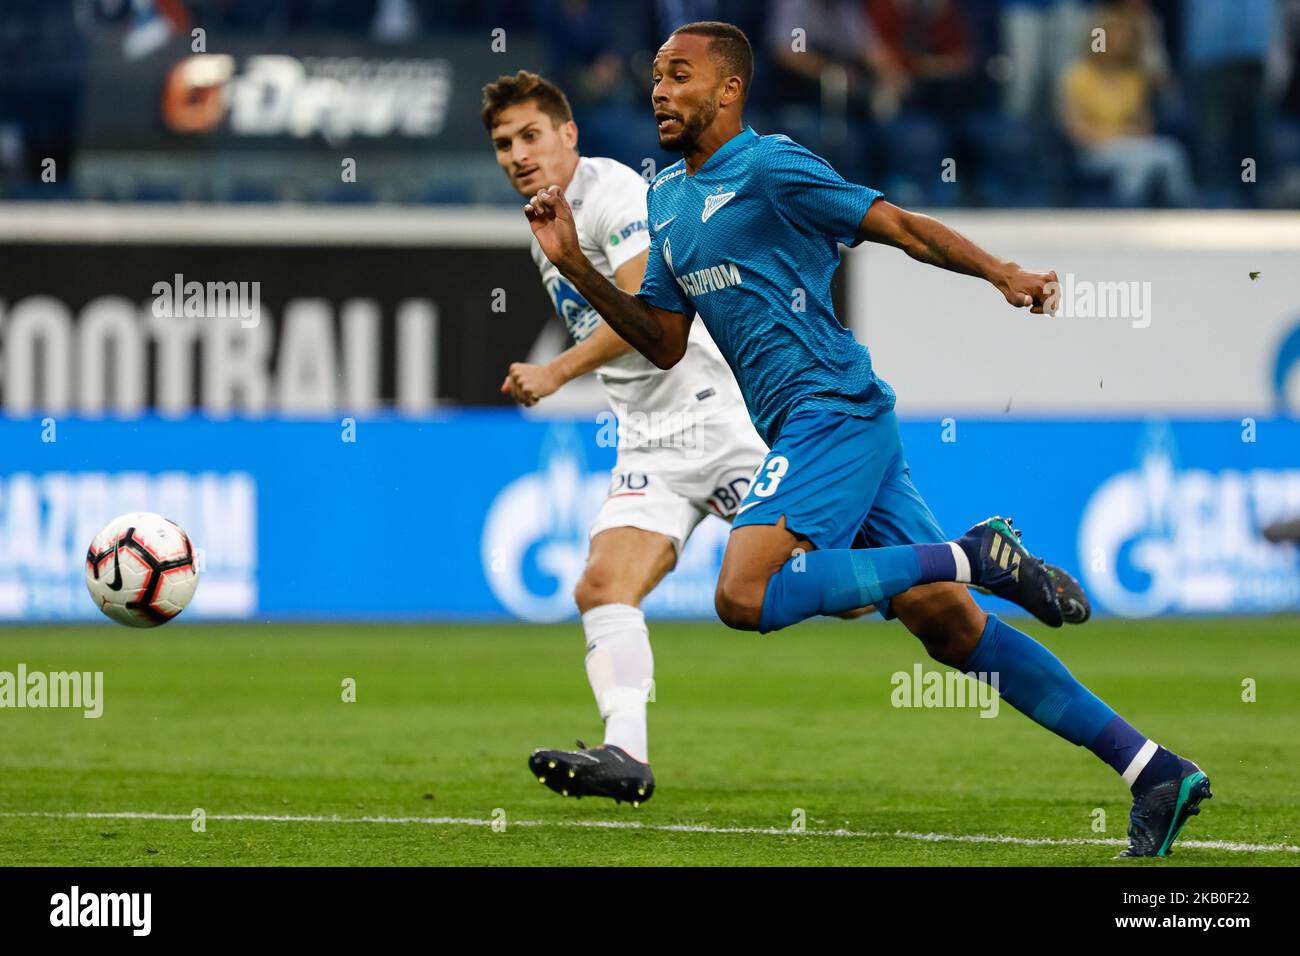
x=525, y=87
x=730, y=49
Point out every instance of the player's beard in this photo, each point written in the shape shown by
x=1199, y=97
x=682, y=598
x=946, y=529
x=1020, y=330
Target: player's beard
x=692, y=129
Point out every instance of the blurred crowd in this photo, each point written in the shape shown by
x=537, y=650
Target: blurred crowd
x=1167, y=103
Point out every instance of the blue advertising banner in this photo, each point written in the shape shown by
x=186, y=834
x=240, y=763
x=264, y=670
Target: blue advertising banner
x=484, y=513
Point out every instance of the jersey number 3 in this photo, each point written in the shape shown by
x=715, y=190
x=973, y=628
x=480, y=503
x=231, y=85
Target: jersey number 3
x=771, y=473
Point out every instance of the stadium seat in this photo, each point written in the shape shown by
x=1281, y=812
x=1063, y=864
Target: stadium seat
x=33, y=191
x=1078, y=187
x=252, y=192
x=148, y=191
x=1009, y=159
x=622, y=133
x=915, y=146
x=1284, y=142
x=341, y=193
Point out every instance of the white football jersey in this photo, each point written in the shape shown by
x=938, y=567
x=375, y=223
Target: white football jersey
x=609, y=211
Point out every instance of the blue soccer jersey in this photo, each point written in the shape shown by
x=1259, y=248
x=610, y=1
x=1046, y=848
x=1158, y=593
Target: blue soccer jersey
x=750, y=243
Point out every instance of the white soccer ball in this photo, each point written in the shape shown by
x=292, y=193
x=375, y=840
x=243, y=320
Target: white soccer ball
x=140, y=569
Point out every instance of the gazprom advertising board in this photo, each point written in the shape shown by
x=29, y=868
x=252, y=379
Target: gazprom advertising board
x=484, y=514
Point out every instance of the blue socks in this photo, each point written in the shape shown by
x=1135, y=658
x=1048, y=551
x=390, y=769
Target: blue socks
x=828, y=582
x=1029, y=677
x=1141, y=762
x=1118, y=743
x=1033, y=681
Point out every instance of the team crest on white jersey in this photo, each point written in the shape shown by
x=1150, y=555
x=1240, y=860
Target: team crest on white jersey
x=613, y=227
x=715, y=202
x=578, y=315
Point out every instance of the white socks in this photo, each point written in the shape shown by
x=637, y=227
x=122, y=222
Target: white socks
x=620, y=668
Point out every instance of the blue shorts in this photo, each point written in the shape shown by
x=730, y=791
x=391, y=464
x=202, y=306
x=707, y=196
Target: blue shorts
x=840, y=482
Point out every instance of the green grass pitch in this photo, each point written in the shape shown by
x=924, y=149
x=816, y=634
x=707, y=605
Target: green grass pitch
x=747, y=734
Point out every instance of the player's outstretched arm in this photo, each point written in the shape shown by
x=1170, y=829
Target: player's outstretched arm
x=927, y=240
x=528, y=384
x=659, y=335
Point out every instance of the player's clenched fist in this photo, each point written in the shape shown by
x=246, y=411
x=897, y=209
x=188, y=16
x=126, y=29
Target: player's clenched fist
x=529, y=384
x=552, y=220
x=1039, y=291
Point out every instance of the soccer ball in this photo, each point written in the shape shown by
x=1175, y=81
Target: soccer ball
x=140, y=569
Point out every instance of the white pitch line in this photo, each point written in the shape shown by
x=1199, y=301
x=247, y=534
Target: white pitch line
x=1227, y=845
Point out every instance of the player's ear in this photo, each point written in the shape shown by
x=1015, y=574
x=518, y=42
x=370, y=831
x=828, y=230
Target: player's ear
x=732, y=92
x=569, y=134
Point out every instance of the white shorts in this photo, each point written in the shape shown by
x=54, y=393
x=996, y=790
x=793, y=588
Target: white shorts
x=670, y=489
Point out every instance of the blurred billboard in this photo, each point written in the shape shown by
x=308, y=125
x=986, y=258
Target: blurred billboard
x=1174, y=313
x=484, y=514
x=287, y=385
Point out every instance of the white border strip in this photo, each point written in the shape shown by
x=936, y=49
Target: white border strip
x=284, y=224
x=1227, y=845
x=504, y=227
